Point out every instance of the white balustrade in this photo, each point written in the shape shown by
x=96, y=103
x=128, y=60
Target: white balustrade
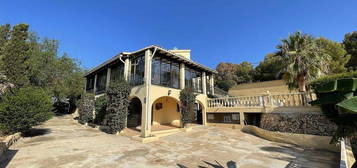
x=276, y=100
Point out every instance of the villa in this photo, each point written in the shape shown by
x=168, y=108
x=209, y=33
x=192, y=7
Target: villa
x=157, y=76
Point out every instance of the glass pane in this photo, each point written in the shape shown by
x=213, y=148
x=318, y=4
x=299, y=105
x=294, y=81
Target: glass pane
x=117, y=72
x=165, y=73
x=155, y=72
x=175, y=75
x=137, y=71
x=188, y=78
x=101, y=81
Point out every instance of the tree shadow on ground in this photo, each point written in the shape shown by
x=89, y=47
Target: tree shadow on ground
x=36, y=132
x=304, y=157
x=229, y=164
x=6, y=157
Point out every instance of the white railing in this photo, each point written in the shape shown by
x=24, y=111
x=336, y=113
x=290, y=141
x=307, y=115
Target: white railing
x=270, y=100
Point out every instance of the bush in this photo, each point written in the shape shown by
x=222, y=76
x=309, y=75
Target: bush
x=118, y=103
x=328, y=95
x=86, y=108
x=100, y=109
x=326, y=79
x=23, y=109
x=187, y=99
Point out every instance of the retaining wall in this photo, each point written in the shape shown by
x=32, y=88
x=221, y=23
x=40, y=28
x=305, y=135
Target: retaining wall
x=313, y=123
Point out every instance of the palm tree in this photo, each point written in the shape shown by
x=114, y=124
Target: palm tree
x=304, y=60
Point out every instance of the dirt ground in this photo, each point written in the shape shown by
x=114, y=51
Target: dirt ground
x=62, y=143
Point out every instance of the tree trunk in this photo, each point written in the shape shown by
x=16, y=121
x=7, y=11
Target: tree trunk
x=301, y=83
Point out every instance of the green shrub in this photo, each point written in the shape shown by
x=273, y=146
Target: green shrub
x=23, y=109
x=118, y=103
x=187, y=99
x=326, y=79
x=100, y=109
x=329, y=94
x=86, y=108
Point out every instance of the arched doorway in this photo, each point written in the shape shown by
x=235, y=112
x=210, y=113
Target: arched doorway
x=198, y=110
x=134, y=116
x=166, y=111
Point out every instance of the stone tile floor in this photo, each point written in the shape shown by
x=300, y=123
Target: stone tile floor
x=62, y=143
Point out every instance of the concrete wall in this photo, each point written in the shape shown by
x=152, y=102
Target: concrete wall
x=314, y=123
x=309, y=141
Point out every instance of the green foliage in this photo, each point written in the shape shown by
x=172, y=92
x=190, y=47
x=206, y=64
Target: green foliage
x=337, y=53
x=27, y=60
x=24, y=108
x=14, y=55
x=233, y=74
x=59, y=74
x=244, y=72
x=333, y=95
x=118, y=103
x=326, y=79
x=350, y=44
x=225, y=84
x=304, y=60
x=187, y=99
x=269, y=69
x=86, y=108
x=100, y=109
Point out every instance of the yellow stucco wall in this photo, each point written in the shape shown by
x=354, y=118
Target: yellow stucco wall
x=168, y=114
x=158, y=92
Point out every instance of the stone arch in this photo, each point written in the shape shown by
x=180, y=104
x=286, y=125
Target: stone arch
x=199, y=112
x=166, y=111
x=134, y=112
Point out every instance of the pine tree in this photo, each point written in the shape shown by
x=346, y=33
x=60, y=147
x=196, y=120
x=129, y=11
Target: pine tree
x=15, y=55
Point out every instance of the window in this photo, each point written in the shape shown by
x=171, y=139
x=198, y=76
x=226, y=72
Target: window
x=188, y=78
x=90, y=84
x=137, y=71
x=117, y=72
x=193, y=79
x=227, y=119
x=175, y=75
x=210, y=116
x=101, y=81
x=165, y=73
x=235, y=116
x=155, y=72
x=208, y=86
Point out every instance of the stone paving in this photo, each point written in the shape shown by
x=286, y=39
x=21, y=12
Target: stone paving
x=62, y=143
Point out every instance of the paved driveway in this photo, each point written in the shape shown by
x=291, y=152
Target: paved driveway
x=62, y=143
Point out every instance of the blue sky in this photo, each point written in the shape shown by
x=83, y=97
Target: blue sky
x=215, y=30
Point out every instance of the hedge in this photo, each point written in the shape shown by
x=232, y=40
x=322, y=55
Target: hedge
x=86, y=108
x=100, y=109
x=118, y=103
x=326, y=79
x=187, y=99
x=24, y=108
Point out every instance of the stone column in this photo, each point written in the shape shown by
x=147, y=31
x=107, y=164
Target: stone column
x=146, y=110
x=212, y=84
x=204, y=115
x=108, y=78
x=182, y=76
x=204, y=89
x=241, y=118
x=95, y=84
x=126, y=69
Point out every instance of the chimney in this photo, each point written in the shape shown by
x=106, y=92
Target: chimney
x=184, y=53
